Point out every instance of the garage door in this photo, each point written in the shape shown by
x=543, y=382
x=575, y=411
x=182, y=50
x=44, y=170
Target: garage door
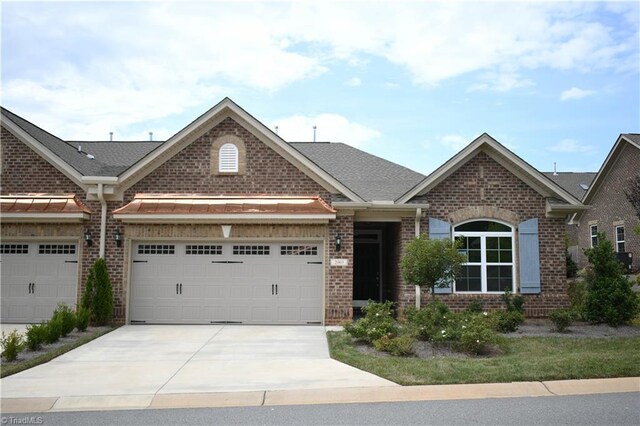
x=249, y=283
x=35, y=278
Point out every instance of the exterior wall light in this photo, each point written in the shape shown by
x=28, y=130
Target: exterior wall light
x=338, y=242
x=87, y=238
x=118, y=238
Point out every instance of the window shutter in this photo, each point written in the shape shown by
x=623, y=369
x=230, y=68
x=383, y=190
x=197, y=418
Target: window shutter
x=440, y=230
x=228, y=158
x=529, y=252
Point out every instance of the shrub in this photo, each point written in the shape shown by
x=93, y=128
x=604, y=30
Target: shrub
x=561, y=318
x=36, y=336
x=513, y=303
x=98, y=295
x=377, y=322
x=577, y=292
x=475, y=336
x=429, y=321
x=11, y=344
x=506, y=321
x=54, y=329
x=83, y=315
x=67, y=319
x=475, y=307
x=572, y=266
x=396, y=345
x=610, y=297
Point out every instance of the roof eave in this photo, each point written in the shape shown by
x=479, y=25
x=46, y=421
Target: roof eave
x=225, y=218
x=44, y=217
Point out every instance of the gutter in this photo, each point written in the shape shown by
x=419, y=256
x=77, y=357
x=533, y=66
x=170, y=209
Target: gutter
x=378, y=205
x=417, y=234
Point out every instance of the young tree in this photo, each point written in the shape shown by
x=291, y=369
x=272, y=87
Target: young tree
x=633, y=193
x=610, y=297
x=98, y=294
x=431, y=263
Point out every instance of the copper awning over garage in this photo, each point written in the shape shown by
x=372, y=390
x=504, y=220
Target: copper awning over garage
x=172, y=208
x=42, y=208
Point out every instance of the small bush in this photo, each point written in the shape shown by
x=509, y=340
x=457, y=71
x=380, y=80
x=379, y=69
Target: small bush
x=98, y=295
x=54, y=329
x=513, y=303
x=561, y=318
x=429, y=321
x=475, y=307
x=11, y=344
x=506, y=321
x=83, y=315
x=36, y=336
x=67, y=319
x=396, y=345
x=577, y=292
x=377, y=322
x=572, y=266
x=475, y=336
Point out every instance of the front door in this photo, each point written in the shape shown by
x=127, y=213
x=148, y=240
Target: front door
x=367, y=281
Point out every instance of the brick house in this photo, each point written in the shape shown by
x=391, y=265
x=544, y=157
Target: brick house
x=225, y=222
x=610, y=212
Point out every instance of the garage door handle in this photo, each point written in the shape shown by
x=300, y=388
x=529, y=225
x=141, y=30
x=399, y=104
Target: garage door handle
x=180, y=288
x=176, y=288
x=70, y=261
x=272, y=289
x=140, y=261
x=276, y=289
x=314, y=263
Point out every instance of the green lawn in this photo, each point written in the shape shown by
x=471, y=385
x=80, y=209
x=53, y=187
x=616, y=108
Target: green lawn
x=523, y=359
x=16, y=367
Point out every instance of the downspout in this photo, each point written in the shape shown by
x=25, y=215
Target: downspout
x=103, y=219
x=417, y=233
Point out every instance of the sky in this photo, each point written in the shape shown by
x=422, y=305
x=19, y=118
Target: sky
x=410, y=81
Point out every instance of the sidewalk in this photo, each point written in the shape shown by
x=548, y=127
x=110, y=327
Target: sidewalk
x=321, y=396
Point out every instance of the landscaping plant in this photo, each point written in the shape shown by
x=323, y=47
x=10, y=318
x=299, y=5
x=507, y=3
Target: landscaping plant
x=54, y=329
x=377, y=322
x=98, y=294
x=561, y=319
x=577, y=292
x=610, y=297
x=431, y=263
x=36, y=335
x=83, y=315
x=11, y=344
x=67, y=319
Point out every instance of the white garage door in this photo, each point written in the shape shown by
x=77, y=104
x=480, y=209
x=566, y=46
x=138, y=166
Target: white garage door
x=35, y=278
x=208, y=283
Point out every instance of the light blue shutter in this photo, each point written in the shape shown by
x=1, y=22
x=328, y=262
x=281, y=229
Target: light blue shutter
x=440, y=230
x=529, y=257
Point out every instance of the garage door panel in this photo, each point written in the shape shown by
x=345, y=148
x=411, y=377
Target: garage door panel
x=230, y=282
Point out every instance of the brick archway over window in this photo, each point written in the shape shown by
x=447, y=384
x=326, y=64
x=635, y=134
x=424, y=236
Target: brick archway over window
x=215, y=154
x=485, y=212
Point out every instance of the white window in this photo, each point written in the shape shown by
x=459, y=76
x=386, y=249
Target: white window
x=620, y=239
x=593, y=232
x=228, y=158
x=488, y=246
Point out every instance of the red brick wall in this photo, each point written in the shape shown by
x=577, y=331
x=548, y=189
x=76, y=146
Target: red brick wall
x=610, y=205
x=339, y=279
x=484, y=183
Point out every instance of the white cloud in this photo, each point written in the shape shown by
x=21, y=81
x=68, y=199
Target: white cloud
x=355, y=81
x=501, y=82
x=575, y=93
x=329, y=128
x=455, y=142
x=572, y=146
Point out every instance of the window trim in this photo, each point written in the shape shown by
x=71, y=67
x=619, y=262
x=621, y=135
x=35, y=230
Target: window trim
x=593, y=236
x=615, y=231
x=483, y=255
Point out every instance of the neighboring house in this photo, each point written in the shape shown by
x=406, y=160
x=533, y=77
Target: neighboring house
x=226, y=222
x=577, y=184
x=609, y=210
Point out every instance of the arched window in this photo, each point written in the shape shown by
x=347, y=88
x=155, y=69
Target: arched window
x=489, y=249
x=228, y=158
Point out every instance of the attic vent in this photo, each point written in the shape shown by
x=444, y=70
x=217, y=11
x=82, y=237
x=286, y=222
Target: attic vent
x=228, y=158
x=584, y=186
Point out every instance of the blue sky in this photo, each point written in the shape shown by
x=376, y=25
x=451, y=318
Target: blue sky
x=412, y=82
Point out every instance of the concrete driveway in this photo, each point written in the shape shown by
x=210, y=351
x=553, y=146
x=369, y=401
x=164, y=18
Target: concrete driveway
x=182, y=359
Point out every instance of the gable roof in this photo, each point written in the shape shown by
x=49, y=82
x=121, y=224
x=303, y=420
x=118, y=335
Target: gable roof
x=371, y=177
x=516, y=165
x=575, y=183
x=625, y=139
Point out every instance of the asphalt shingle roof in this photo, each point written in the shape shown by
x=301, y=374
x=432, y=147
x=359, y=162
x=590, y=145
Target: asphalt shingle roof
x=371, y=177
x=116, y=156
x=575, y=183
x=634, y=137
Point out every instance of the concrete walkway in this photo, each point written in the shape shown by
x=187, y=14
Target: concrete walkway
x=137, y=367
